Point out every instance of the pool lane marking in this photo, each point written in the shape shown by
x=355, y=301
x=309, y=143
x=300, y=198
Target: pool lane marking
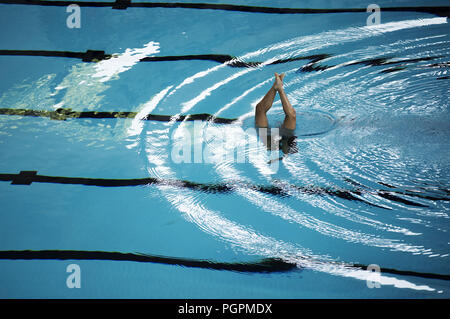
x=28, y=177
x=99, y=55
x=125, y=4
x=63, y=114
x=88, y=56
x=232, y=61
x=267, y=265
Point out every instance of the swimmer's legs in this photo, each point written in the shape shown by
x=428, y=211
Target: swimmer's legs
x=266, y=103
x=263, y=106
x=290, y=118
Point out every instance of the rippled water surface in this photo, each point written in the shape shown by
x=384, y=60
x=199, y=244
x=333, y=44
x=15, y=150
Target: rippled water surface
x=368, y=183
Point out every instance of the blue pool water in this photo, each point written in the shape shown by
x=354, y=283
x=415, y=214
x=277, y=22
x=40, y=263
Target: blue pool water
x=368, y=185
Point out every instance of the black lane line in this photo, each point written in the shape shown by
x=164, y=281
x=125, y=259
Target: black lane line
x=88, y=56
x=124, y=4
x=28, y=177
x=398, y=65
x=408, y=273
x=388, y=61
x=62, y=114
x=220, y=58
x=98, y=55
x=395, y=198
x=232, y=61
x=268, y=265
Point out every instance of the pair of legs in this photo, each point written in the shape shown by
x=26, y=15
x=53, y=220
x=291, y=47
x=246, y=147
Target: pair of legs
x=266, y=103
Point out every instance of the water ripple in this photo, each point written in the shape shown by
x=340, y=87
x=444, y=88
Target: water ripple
x=378, y=145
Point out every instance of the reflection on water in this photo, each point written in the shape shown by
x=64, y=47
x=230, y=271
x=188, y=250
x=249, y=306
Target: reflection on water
x=370, y=170
x=355, y=130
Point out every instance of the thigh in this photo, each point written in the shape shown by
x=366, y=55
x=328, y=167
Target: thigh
x=261, y=118
x=289, y=123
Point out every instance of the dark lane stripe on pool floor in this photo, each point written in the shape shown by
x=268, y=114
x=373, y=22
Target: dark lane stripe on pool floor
x=267, y=265
x=236, y=62
x=124, y=4
x=99, y=55
x=28, y=177
x=62, y=114
x=264, y=266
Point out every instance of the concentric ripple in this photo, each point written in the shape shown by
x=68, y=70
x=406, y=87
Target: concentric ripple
x=373, y=123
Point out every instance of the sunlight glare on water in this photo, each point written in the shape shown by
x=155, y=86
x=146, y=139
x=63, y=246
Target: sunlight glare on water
x=366, y=180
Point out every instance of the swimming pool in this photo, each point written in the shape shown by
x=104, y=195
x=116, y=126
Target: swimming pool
x=102, y=167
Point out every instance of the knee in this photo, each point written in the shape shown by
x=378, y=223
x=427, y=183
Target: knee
x=259, y=108
x=292, y=114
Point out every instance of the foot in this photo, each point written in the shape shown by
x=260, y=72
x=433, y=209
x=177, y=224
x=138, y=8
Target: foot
x=278, y=85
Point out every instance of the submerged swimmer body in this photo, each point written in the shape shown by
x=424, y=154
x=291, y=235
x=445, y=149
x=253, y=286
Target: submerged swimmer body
x=287, y=141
